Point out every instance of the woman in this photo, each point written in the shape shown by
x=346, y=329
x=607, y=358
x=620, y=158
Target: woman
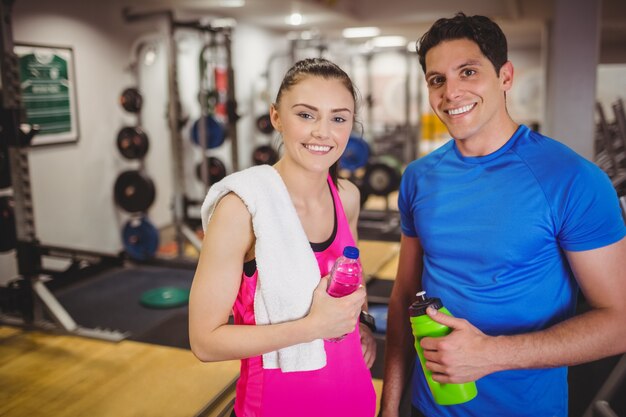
x=288, y=368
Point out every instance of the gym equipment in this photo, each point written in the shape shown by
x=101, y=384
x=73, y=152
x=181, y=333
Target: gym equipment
x=264, y=124
x=382, y=176
x=134, y=191
x=356, y=177
x=217, y=170
x=131, y=100
x=165, y=297
x=264, y=154
x=8, y=240
x=141, y=239
x=220, y=37
x=132, y=142
x=379, y=312
x=600, y=405
x=215, y=132
x=35, y=305
x=5, y=171
x=355, y=155
x=611, y=144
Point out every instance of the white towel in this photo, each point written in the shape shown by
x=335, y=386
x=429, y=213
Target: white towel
x=288, y=272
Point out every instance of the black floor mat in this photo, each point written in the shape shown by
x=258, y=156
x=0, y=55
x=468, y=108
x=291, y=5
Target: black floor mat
x=111, y=300
x=173, y=331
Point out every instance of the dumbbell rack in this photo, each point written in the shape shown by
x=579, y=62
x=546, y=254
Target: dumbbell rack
x=611, y=148
x=32, y=297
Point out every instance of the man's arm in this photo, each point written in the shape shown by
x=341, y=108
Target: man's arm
x=399, y=350
x=467, y=354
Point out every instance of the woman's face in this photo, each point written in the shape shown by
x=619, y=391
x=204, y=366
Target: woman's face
x=315, y=117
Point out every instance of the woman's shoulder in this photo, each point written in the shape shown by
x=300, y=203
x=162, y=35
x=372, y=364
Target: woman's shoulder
x=232, y=207
x=350, y=196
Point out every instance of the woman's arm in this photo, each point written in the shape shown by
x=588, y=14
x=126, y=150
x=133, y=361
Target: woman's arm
x=215, y=286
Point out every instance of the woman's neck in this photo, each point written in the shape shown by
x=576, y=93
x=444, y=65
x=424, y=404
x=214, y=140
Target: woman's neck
x=302, y=185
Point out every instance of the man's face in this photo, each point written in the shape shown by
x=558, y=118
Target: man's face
x=465, y=92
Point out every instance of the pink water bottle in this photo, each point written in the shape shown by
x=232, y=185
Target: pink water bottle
x=345, y=276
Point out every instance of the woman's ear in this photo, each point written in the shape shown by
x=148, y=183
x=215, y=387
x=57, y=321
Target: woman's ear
x=275, y=118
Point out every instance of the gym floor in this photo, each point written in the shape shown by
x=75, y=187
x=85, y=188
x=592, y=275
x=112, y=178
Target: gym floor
x=153, y=373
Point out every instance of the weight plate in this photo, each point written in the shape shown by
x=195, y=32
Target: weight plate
x=358, y=180
x=381, y=178
x=165, y=297
x=264, y=154
x=355, y=155
x=217, y=170
x=132, y=142
x=215, y=132
x=8, y=238
x=131, y=100
x=264, y=124
x=134, y=191
x=140, y=239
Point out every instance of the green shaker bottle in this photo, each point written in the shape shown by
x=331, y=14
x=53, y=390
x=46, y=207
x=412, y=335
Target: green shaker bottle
x=424, y=326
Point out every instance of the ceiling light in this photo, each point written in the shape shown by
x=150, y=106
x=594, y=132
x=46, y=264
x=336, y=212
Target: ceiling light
x=232, y=3
x=388, y=41
x=295, y=19
x=150, y=55
x=362, y=32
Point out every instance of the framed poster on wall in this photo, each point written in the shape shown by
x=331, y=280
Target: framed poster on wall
x=49, y=92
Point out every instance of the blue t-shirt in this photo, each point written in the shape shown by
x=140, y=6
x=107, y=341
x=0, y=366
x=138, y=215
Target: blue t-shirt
x=493, y=229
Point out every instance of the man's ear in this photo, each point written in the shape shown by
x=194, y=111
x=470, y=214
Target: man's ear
x=275, y=118
x=506, y=76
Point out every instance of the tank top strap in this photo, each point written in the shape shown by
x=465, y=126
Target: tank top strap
x=343, y=226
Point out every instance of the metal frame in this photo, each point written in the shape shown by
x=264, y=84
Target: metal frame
x=17, y=137
x=175, y=117
x=599, y=406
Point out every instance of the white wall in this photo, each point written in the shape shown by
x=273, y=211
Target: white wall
x=72, y=184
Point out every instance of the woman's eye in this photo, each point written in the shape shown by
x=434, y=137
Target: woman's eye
x=339, y=119
x=305, y=115
x=469, y=72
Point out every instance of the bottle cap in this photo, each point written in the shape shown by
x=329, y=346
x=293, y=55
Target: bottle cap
x=351, y=252
x=418, y=308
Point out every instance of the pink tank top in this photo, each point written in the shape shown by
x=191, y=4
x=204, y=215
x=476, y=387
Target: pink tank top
x=342, y=388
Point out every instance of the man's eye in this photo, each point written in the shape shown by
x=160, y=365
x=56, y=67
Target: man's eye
x=469, y=72
x=435, y=81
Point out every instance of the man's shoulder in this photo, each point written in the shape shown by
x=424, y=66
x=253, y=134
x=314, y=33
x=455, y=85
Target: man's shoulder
x=429, y=161
x=543, y=153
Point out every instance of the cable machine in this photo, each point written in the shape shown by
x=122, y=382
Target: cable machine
x=181, y=203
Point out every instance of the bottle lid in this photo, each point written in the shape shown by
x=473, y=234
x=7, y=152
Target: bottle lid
x=351, y=252
x=418, y=308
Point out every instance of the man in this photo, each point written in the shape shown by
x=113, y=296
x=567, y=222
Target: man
x=504, y=225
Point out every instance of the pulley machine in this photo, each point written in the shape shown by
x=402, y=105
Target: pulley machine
x=182, y=230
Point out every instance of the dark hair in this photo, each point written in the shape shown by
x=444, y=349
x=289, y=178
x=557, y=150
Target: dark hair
x=479, y=29
x=317, y=67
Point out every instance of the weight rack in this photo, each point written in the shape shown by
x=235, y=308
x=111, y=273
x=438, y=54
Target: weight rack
x=28, y=295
